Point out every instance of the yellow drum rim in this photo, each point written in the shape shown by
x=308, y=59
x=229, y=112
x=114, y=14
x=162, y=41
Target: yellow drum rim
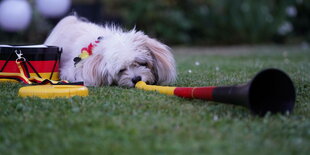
x=53, y=91
x=8, y=80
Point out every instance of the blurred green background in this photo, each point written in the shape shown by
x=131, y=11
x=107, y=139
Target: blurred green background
x=188, y=22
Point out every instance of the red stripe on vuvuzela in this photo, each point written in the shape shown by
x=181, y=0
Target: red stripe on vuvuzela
x=195, y=92
x=185, y=92
x=203, y=93
x=39, y=66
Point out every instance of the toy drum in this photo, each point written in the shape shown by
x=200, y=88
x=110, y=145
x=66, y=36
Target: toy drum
x=40, y=61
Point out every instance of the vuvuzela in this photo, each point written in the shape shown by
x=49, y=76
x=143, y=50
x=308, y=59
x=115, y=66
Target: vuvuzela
x=271, y=90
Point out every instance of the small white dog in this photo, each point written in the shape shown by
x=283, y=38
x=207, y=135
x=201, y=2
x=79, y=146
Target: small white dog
x=107, y=55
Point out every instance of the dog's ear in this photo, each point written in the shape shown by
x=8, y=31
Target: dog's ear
x=164, y=63
x=94, y=71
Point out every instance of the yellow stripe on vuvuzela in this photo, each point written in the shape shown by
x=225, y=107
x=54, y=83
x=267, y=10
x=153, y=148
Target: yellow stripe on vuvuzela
x=161, y=89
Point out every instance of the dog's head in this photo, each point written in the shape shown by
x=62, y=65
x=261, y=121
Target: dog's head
x=124, y=58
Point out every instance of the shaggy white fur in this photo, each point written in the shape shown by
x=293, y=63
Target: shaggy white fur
x=121, y=58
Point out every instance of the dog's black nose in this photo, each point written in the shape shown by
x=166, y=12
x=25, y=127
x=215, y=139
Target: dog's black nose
x=136, y=79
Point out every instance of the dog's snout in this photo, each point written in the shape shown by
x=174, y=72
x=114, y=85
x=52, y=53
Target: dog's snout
x=136, y=79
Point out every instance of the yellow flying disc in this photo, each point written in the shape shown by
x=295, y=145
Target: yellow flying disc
x=53, y=91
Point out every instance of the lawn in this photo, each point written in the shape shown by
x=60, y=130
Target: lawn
x=113, y=120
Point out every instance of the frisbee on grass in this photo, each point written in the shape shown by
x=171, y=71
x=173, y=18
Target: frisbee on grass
x=53, y=91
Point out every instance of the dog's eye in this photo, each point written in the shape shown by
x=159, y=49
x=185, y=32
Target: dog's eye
x=143, y=64
x=122, y=70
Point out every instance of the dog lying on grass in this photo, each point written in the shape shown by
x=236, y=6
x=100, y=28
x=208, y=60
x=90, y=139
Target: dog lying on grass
x=107, y=55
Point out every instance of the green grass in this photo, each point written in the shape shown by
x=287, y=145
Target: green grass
x=114, y=120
